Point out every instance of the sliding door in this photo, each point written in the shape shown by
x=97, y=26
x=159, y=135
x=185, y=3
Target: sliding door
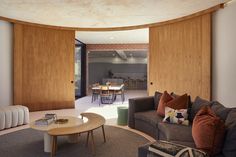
x=180, y=57
x=43, y=68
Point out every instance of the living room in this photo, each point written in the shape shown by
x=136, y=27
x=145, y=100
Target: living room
x=190, y=55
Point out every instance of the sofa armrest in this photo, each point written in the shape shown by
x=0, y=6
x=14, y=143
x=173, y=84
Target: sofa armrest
x=139, y=105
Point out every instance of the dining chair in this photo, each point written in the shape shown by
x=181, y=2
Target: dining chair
x=95, y=92
x=120, y=92
x=106, y=95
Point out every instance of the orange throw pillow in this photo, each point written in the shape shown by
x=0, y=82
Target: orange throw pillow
x=165, y=97
x=180, y=102
x=208, y=131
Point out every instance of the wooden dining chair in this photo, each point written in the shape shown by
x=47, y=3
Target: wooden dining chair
x=95, y=92
x=106, y=95
x=120, y=92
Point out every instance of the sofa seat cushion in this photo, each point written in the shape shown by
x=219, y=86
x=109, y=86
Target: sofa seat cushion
x=150, y=117
x=175, y=132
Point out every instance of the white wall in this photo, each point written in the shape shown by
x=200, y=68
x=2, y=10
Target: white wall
x=6, y=79
x=224, y=55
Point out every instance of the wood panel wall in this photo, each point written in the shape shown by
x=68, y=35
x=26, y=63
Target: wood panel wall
x=180, y=57
x=43, y=67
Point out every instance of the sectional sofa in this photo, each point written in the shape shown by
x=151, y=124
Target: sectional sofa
x=143, y=117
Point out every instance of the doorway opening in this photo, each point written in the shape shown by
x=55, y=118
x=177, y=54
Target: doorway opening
x=80, y=69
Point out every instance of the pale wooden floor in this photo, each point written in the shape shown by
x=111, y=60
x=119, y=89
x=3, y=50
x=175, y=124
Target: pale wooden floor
x=109, y=111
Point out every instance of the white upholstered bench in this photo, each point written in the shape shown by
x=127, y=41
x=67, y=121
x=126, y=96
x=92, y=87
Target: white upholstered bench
x=12, y=116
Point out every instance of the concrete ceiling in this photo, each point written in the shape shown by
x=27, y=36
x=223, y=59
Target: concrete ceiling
x=101, y=13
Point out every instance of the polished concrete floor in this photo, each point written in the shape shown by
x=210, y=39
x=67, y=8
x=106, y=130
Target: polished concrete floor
x=109, y=111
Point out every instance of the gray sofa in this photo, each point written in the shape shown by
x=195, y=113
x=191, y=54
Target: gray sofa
x=143, y=117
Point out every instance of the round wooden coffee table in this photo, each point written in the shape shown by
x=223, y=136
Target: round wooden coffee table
x=94, y=121
x=72, y=122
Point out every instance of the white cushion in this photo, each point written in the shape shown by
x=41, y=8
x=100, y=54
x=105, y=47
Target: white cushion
x=20, y=115
x=12, y=116
x=15, y=118
x=2, y=119
x=8, y=117
x=26, y=114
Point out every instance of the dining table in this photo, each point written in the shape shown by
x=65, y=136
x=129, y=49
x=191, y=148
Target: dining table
x=110, y=87
x=113, y=89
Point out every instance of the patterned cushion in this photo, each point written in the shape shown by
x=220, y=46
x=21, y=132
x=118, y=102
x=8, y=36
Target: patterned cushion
x=164, y=149
x=176, y=116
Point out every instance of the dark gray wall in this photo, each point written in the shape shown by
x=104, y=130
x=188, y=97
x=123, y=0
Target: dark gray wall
x=98, y=71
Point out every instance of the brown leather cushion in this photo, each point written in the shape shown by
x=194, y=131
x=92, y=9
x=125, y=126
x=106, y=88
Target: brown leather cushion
x=208, y=131
x=180, y=102
x=165, y=97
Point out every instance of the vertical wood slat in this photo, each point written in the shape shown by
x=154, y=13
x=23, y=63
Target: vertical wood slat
x=43, y=68
x=180, y=57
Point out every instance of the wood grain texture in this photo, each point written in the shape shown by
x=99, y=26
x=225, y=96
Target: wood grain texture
x=203, y=12
x=180, y=57
x=43, y=68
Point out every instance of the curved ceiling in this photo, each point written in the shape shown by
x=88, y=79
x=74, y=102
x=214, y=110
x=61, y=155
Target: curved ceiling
x=101, y=13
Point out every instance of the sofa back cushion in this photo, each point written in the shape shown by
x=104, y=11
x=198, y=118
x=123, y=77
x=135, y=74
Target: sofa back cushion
x=196, y=106
x=165, y=97
x=157, y=98
x=229, y=148
x=208, y=131
x=220, y=110
x=180, y=102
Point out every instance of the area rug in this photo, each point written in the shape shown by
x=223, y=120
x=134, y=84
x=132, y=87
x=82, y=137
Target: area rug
x=29, y=143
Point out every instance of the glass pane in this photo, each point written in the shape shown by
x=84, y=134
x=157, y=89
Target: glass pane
x=78, y=71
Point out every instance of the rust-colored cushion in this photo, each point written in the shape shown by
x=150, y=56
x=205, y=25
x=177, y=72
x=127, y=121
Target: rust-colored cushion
x=165, y=98
x=208, y=131
x=180, y=102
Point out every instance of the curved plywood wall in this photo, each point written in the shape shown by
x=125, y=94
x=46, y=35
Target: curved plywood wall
x=180, y=57
x=179, y=60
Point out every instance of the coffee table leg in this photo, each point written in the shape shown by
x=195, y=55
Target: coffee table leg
x=104, y=136
x=93, y=145
x=87, y=139
x=54, y=146
x=47, y=142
